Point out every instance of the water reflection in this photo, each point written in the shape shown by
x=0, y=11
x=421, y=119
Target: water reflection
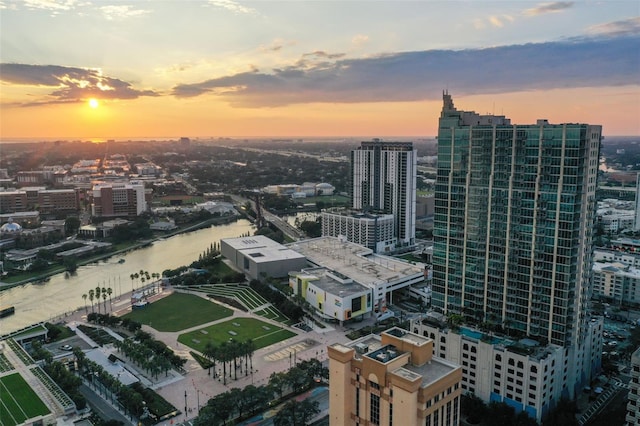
x=63, y=293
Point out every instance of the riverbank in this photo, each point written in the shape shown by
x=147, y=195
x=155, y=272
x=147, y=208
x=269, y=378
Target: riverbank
x=96, y=259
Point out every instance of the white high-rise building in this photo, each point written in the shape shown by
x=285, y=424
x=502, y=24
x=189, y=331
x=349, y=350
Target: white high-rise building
x=383, y=177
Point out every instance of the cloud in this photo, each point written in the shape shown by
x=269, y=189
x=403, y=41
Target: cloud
x=69, y=84
x=52, y=5
x=552, y=7
x=233, y=6
x=119, y=12
x=359, y=40
x=413, y=76
x=629, y=26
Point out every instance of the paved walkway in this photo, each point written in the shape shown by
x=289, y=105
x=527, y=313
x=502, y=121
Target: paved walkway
x=197, y=386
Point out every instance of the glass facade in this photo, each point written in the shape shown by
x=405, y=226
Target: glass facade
x=514, y=209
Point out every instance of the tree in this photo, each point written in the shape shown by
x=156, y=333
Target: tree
x=98, y=293
x=109, y=292
x=84, y=297
x=296, y=413
x=71, y=225
x=104, y=298
x=133, y=277
x=91, y=295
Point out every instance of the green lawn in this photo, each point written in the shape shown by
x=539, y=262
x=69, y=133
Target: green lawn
x=179, y=311
x=262, y=333
x=18, y=402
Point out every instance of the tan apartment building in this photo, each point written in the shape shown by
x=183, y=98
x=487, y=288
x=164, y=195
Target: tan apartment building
x=392, y=379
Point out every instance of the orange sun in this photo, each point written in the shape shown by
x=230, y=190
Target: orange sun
x=93, y=103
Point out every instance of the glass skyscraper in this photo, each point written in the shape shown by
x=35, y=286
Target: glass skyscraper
x=514, y=215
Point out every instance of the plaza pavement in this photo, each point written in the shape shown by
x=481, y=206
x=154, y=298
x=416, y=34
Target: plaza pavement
x=199, y=386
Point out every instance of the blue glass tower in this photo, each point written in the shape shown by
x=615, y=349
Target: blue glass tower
x=514, y=213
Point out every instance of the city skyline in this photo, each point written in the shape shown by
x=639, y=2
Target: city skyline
x=224, y=68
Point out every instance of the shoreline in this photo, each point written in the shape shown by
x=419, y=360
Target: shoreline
x=210, y=222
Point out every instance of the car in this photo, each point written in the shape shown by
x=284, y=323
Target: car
x=66, y=347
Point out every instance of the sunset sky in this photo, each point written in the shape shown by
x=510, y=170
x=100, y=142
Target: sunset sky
x=311, y=68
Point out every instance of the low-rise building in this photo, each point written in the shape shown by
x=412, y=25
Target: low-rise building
x=374, y=231
x=520, y=372
x=382, y=274
x=392, y=379
x=617, y=282
x=331, y=294
x=259, y=256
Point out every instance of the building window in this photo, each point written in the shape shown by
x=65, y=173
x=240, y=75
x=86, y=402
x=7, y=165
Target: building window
x=357, y=402
x=455, y=411
x=374, y=385
x=374, y=414
x=427, y=420
x=391, y=414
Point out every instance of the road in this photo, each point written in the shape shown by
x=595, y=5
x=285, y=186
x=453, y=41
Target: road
x=279, y=223
x=102, y=407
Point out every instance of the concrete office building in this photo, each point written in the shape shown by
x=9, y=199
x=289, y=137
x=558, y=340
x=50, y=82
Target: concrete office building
x=118, y=199
x=374, y=231
x=392, y=379
x=383, y=180
x=514, y=217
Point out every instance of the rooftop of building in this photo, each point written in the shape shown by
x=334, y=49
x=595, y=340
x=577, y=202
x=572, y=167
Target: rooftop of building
x=616, y=268
x=355, y=261
x=371, y=347
x=358, y=214
x=326, y=280
x=262, y=249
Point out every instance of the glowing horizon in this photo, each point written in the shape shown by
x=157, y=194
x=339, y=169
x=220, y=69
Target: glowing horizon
x=378, y=72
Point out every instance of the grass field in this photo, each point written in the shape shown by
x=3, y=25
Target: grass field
x=18, y=402
x=263, y=334
x=179, y=311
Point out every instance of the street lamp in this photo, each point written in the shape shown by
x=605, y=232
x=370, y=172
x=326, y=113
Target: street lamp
x=185, y=403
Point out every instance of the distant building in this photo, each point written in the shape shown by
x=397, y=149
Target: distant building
x=616, y=282
x=633, y=406
x=636, y=224
x=46, y=201
x=383, y=180
x=118, y=199
x=374, y=231
x=392, y=379
x=307, y=189
x=258, y=255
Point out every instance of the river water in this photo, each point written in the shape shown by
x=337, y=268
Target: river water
x=42, y=302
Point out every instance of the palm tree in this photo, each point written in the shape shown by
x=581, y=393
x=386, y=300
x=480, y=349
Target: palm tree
x=133, y=277
x=91, y=294
x=211, y=352
x=136, y=276
x=109, y=292
x=104, y=298
x=98, y=293
x=84, y=297
x=250, y=348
